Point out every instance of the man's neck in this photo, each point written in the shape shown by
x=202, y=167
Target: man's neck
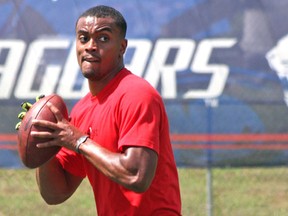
x=96, y=86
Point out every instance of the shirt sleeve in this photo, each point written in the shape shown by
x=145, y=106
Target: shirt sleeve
x=71, y=162
x=140, y=120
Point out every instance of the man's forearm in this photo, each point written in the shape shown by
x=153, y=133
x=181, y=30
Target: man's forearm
x=55, y=184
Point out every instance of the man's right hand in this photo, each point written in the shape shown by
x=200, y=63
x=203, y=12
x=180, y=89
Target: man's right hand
x=25, y=108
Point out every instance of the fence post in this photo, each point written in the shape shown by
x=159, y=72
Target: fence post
x=210, y=103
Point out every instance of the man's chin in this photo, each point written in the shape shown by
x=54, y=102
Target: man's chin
x=90, y=76
x=88, y=73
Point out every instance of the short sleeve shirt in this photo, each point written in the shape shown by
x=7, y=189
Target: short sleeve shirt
x=127, y=112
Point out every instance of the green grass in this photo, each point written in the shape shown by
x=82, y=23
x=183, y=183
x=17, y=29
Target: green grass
x=236, y=191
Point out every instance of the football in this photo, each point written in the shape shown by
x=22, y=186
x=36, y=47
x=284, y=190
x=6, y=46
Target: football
x=30, y=154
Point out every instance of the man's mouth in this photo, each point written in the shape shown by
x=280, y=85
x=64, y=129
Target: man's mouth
x=90, y=59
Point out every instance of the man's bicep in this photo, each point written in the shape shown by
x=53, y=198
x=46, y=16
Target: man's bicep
x=73, y=181
x=141, y=162
x=55, y=184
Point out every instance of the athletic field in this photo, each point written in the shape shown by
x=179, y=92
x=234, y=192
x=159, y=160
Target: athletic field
x=236, y=191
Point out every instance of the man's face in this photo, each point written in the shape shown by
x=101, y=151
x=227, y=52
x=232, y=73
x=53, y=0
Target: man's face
x=99, y=46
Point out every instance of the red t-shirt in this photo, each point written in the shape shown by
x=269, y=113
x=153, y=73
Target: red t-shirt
x=127, y=112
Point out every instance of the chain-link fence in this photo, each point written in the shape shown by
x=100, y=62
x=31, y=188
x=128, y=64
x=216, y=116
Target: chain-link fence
x=235, y=191
x=221, y=68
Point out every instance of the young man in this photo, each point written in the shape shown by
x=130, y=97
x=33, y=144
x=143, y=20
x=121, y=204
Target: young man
x=118, y=135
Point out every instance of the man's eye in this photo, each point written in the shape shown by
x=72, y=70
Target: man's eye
x=103, y=38
x=83, y=39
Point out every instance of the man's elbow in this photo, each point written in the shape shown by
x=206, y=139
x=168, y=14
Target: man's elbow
x=140, y=185
x=54, y=199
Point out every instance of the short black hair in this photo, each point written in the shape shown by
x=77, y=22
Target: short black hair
x=102, y=11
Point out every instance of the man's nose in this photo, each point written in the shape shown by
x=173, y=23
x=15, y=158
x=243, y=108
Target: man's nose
x=92, y=45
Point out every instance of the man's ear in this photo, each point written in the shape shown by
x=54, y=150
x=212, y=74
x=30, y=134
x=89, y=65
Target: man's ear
x=124, y=44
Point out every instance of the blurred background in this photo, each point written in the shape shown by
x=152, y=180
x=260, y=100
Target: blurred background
x=221, y=67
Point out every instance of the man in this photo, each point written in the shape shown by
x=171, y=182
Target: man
x=118, y=135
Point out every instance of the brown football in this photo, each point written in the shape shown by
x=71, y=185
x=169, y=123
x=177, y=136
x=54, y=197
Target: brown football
x=30, y=154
